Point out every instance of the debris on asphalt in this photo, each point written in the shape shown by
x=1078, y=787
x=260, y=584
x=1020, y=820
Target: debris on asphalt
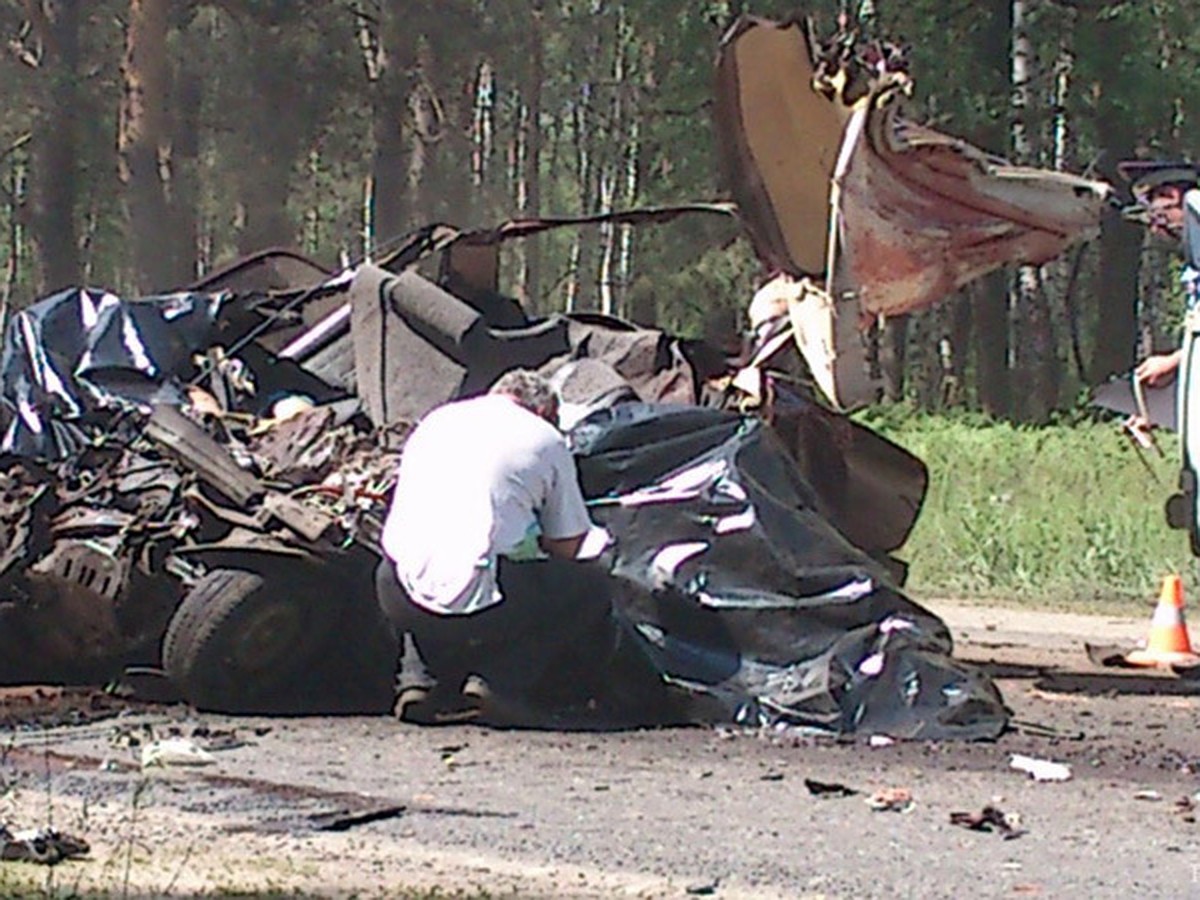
x=45, y=846
x=703, y=888
x=1041, y=769
x=880, y=740
x=1153, y=796
x=341, y=819
x=215, y=740
x=990, y=818
x=175, y=752
x=1186, y=808
x=891, y=800
x=828, y=788
x=1110, y=656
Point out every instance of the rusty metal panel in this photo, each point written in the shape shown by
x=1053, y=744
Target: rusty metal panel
x=917, y=213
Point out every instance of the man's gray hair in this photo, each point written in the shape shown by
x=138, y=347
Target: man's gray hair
x=528, y=388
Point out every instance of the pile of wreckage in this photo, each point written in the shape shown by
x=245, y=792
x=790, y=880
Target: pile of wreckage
x=193, y=483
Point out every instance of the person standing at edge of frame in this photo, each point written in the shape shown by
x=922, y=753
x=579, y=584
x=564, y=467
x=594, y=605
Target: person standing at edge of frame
x=1170, y=196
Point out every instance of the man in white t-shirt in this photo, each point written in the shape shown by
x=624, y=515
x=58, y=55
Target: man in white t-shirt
x=484, y=482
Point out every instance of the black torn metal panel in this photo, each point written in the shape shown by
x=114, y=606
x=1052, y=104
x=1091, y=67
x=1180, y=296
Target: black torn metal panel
x=748, y=602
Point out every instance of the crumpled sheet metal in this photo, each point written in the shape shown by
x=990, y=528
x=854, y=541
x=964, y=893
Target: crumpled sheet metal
x=748, y=601
x=924, y=214
x=919, y=213
x=76, y=351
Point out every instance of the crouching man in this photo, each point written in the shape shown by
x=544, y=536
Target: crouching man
x=483, y=483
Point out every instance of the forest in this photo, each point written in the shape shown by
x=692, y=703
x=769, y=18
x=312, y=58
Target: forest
x=146, y=142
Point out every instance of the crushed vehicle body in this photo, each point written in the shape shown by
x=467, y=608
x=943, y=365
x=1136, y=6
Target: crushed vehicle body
x=194, y=521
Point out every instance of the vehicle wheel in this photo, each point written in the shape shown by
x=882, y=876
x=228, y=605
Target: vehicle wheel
x=235, y=641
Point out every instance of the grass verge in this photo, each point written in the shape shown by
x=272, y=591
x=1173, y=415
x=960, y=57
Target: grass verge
x=1064, y=516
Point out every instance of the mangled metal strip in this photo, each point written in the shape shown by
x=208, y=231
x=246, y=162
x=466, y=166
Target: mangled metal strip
x=275, y=268
x=436, y=238
x=198, y=451
x=240, y=541
x=311, y=524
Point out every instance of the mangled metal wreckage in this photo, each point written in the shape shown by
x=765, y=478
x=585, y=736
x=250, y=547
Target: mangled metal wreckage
x=195, y=481
x=862, y=213
x=156, y=497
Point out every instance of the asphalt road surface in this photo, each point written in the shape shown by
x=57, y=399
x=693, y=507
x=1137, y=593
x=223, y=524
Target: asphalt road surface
x=368, y=807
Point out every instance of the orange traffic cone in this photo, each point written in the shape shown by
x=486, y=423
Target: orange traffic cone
x=1168, y=644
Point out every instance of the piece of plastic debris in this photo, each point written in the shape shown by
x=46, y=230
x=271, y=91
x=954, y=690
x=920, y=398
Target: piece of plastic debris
x=990, y=818
x=1186, y=808
x=872, y=665
x=891, y=800
x=46, y=846
x=175, y=752
x=881, y=740
x=828, y=788
x=1041, y=769
x=703, y=888
x=1153, y=796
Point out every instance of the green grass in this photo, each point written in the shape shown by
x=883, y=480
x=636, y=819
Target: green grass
x=1062, y=516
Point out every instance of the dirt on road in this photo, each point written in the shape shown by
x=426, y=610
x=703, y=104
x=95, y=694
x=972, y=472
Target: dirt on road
x=369, y=807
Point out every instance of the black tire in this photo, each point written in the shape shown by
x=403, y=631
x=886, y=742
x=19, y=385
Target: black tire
x=237, y=640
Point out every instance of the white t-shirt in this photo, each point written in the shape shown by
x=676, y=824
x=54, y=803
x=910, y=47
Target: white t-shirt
x=475, y=476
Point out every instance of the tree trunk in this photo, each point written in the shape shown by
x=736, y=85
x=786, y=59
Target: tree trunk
x=387, y=55
x=531, y=146
x=959, y=341
x=276, y=128
x=991, y=334
x=893, y=337
x=54, y=176
x=991, y=343
x=426, y=120
x=1034, y=348
x=140, y=137
x=1115, y=297
x=184, y=206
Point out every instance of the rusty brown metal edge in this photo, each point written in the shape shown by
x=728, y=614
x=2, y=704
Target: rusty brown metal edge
x=254, y=260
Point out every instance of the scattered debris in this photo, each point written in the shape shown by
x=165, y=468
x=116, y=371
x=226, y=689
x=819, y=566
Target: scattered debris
x=990, y=818
x=1186, y=807
x=1153, y=796
x=703, y=888
x=175, y=752
x=891, y=800
x=46, y=846
x=215, y=740
x=1111, y=656
x=341, y=819
x=828, y=788
x=1041, y=769
x=881, y=740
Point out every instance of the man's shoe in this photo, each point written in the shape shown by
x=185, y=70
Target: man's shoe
x=497, y=709
x=477, y=691
x=429, y=706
